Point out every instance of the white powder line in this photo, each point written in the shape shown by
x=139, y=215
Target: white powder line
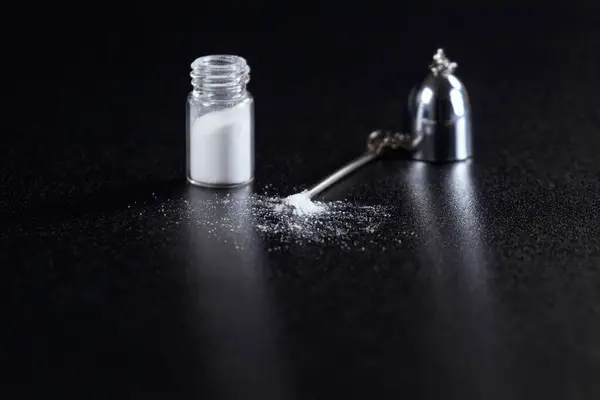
x=238, y=220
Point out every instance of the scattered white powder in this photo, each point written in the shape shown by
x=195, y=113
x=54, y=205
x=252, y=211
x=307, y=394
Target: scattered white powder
x=301, y=204
x=244, y=220
x=221, y=146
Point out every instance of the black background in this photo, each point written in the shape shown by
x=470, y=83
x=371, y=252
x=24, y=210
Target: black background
x=497, y=294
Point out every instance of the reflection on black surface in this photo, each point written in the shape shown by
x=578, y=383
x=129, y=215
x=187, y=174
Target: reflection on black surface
x=464, y=339
x=468, y=224
x=230, y=299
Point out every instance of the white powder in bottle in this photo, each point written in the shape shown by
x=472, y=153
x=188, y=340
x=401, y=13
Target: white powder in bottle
x=221, y=146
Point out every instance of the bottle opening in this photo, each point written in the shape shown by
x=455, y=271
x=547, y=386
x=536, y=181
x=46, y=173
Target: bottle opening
x=220, y=63
x=221, y=72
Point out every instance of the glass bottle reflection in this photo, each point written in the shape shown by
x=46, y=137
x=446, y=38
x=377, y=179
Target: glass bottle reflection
x=231, y=299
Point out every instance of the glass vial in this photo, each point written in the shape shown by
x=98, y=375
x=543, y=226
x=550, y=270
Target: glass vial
x=220, y=123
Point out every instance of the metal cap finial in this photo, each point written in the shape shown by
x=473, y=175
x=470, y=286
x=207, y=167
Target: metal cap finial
x=441, y=64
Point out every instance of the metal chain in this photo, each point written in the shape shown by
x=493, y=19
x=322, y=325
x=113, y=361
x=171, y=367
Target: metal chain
x=380, y=141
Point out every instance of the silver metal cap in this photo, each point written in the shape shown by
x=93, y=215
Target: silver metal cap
x=442, y=115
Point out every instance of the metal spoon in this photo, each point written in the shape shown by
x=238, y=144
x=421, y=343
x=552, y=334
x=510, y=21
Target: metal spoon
x=377, y=142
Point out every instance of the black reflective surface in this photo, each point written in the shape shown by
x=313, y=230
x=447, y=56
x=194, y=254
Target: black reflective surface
x=486, y=283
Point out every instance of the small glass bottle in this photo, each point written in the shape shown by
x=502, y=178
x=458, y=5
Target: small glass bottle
x=220, y=123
